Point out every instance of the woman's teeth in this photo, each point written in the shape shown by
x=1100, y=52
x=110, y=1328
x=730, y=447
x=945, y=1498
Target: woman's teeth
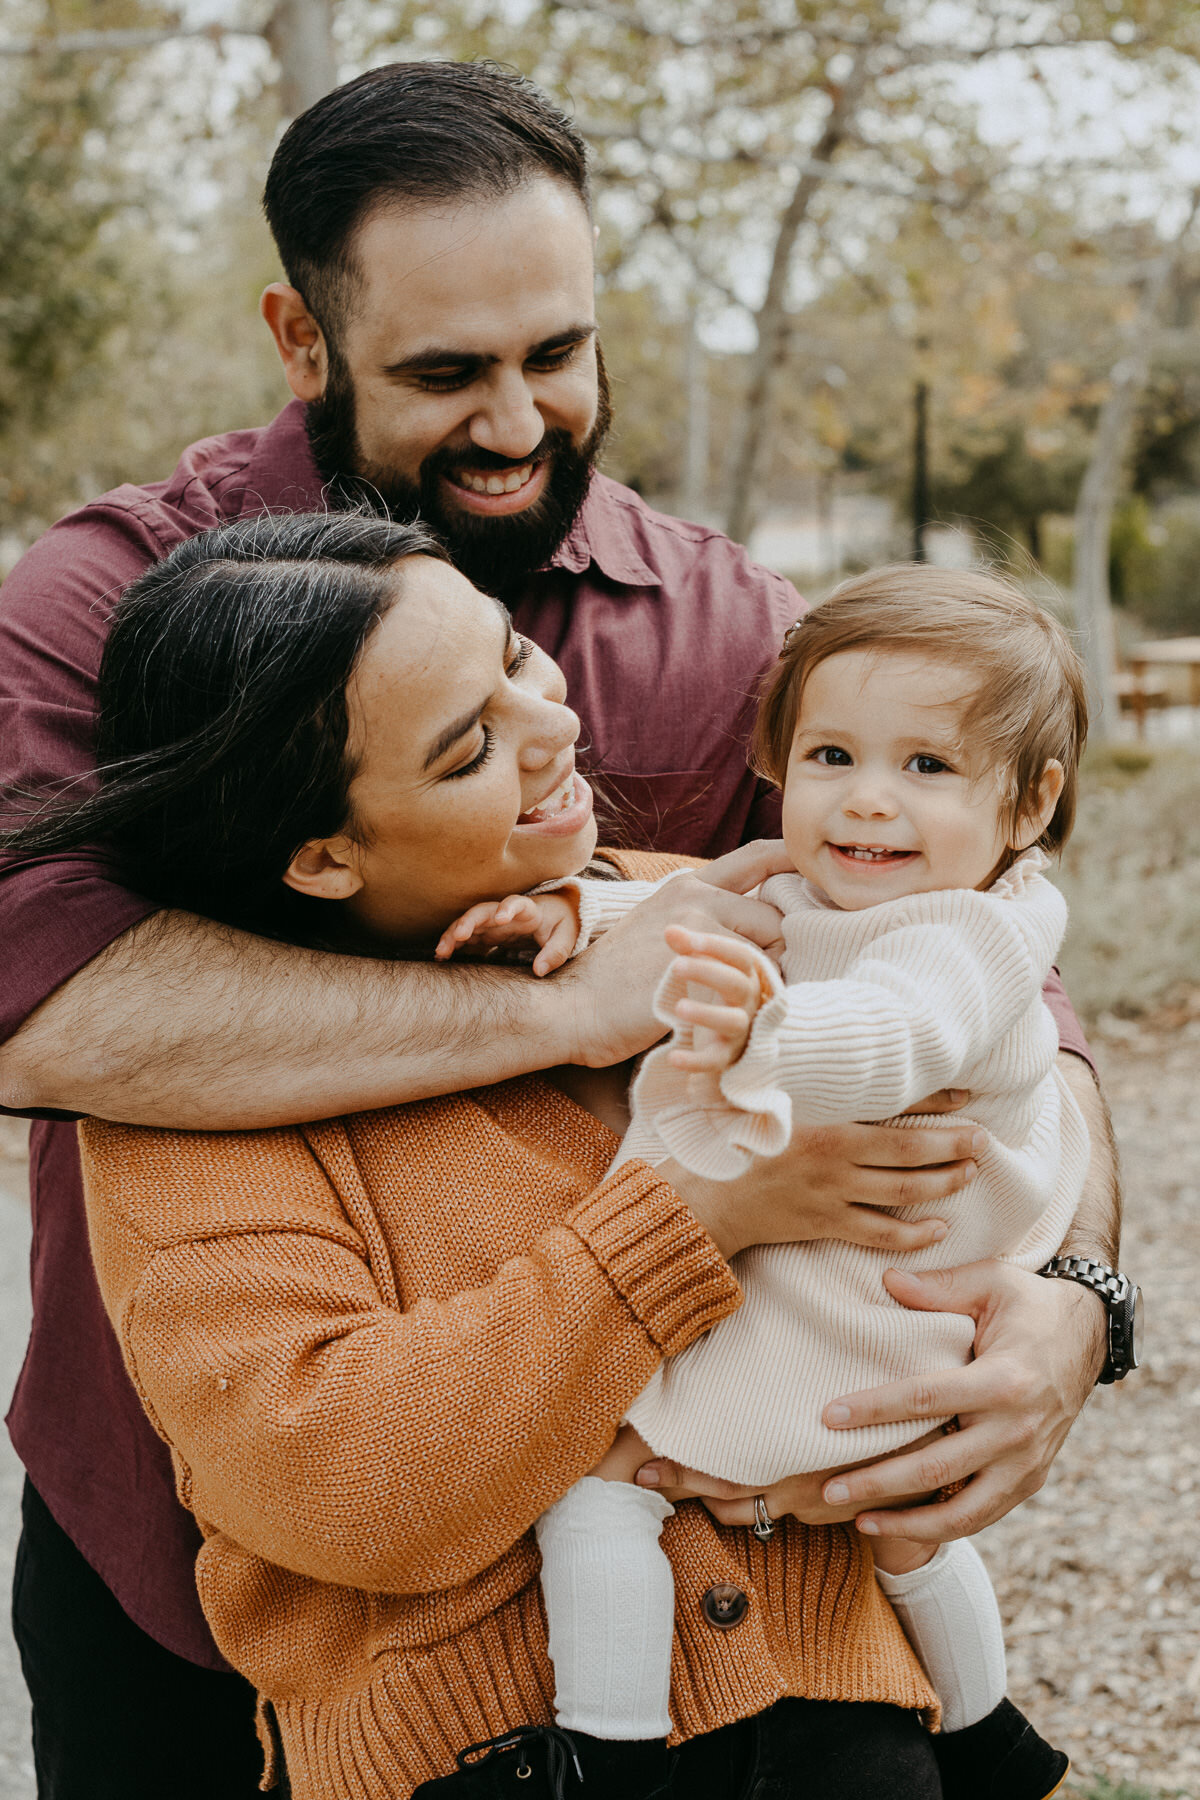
x=496, y=484
x=556, y=802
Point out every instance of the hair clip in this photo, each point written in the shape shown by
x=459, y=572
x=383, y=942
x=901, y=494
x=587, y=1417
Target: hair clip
x=789, y=636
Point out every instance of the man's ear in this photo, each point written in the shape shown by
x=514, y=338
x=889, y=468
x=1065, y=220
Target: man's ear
x=298, y=339
x=325, y=869
x=1037, y=816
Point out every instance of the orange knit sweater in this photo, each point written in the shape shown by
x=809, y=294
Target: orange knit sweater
x=379, y=1347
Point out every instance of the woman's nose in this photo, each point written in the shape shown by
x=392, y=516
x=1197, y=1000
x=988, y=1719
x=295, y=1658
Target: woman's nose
x=554, y=730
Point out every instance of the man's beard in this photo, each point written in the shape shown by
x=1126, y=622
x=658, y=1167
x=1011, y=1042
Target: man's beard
x=496, y=553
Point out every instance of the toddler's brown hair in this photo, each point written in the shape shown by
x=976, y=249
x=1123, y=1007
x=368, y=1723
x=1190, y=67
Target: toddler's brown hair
x=1031, y=703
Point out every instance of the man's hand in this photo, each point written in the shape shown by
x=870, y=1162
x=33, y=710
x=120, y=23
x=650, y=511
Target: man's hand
x=836, y=1181
x=1039, y=1346
x=611, y=986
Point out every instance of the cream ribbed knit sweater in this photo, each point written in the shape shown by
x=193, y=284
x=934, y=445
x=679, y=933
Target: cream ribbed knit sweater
x=881, y=1007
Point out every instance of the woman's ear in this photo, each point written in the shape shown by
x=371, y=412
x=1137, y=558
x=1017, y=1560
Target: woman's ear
x=325, y=869
x=1038, y=814
x=298, y=339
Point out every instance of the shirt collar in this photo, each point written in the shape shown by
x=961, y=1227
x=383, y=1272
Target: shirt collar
x=282, y=473
x=603, y=533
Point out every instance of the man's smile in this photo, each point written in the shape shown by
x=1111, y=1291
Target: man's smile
x=491, y=491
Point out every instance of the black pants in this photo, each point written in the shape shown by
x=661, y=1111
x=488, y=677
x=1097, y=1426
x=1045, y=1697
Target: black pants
x=115, y=1715
x=796, y=1750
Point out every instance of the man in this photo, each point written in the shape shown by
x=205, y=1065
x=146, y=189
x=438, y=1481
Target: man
x=437, y=331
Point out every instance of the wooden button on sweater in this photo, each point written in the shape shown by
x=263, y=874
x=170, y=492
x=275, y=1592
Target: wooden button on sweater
x=725, y=1605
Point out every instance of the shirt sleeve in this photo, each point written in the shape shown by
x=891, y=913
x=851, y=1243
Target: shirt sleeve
x=58, y=912
x=599, y=905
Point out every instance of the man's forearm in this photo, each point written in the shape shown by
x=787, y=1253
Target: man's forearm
x=183, y=1022
x=1095, y=1230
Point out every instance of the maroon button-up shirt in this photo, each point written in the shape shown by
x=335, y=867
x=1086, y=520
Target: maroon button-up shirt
x=662, y=629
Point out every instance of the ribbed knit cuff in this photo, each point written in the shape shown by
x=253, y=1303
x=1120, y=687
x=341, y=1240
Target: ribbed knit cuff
x=657, y=1256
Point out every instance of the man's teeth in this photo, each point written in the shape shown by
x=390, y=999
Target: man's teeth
x=556, y=802
x=496, y=484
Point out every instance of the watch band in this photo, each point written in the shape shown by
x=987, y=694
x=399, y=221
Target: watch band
x=1120, y=1297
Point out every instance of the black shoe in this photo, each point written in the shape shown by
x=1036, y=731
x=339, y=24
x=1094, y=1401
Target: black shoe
x=544, y=1762
x=999, y=1758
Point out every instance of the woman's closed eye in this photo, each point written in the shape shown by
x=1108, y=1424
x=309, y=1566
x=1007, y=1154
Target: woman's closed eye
x=520, y=650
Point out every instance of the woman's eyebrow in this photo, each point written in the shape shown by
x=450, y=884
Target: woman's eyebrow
x=446, y=739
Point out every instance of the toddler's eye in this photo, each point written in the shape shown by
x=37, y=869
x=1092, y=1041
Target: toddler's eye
x=927, y=765
x=831, y=757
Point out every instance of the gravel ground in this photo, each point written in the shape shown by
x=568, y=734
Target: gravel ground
x=1099, y=1574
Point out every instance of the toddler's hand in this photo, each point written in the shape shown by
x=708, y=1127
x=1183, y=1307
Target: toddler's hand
x=739, y=975
x=548, y=920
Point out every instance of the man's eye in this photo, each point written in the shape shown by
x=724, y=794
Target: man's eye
x=554, y=359
x=927, y=765
x=831, y=757
x=445, y=384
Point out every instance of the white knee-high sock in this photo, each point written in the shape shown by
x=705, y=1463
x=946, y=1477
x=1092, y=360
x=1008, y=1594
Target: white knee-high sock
x=610, y=1603
x=950, y=1617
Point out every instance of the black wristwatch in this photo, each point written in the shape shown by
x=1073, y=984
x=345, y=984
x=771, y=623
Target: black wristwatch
x=1123, y=1301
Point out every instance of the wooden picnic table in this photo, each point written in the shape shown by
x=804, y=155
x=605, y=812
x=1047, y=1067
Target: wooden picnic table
x=1181, y=652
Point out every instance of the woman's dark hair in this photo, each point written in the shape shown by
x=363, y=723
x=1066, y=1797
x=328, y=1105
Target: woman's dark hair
x=410, y=133
x=221, y=714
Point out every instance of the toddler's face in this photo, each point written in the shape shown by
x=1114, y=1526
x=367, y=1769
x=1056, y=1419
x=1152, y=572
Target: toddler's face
x=880, y=799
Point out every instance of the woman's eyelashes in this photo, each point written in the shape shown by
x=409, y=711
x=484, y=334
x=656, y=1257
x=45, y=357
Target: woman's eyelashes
x=520, y=649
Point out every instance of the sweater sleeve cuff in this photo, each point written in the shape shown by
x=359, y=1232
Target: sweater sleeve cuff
x=599, y=905
x=657, y=1256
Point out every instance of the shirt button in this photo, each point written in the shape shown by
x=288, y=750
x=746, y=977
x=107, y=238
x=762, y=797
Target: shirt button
x=725, y=1605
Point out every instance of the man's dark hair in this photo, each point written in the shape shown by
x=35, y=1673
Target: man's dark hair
x=409, y=133
x=222, y=723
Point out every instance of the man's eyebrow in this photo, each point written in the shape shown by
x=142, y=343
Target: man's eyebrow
x=447, y=738
x=444, y=356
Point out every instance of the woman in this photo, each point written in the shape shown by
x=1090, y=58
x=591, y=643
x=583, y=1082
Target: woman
x=381, y=1346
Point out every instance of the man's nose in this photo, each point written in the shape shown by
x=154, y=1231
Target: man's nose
x=508, y=422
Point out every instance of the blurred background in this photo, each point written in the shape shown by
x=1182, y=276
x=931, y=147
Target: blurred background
x=894, y=278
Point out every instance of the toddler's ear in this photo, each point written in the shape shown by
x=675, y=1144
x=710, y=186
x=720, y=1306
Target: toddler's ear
x=1038, y=814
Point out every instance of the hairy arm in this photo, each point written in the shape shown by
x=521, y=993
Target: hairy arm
x=183, y=1022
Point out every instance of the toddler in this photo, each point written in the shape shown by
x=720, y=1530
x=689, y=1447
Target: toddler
x=925, y=728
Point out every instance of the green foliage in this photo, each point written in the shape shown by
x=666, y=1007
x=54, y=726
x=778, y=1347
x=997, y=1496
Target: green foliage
x=60, y=288
x=1159, y=566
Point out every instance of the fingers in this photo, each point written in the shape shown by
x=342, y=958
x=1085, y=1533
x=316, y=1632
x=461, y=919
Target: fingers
x=556, y=948
x=944, y=1101
x=898, y=1147
x=740, y=963
x=882, y=1231
x=464, y=928
x=974, y=1388
x=662, y=1473
x=745, y=868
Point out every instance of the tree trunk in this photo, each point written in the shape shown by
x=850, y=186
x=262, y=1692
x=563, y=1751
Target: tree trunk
x=300, y=33
x=771, y=320
x=920, y=471
x=694, y=496
x=1098, y=493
